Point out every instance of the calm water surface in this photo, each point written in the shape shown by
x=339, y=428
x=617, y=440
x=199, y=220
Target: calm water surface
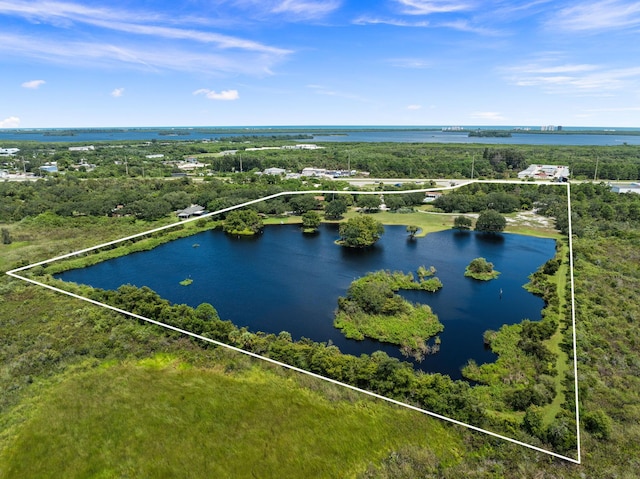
x=286, y=281
x=333, y=134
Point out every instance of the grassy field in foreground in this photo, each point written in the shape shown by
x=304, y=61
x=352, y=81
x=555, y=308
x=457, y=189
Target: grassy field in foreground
x=164, y=419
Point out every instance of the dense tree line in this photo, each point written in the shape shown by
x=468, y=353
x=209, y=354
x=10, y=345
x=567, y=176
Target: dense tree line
x=395, y=160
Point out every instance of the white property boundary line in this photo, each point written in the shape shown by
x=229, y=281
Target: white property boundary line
x=14, y=274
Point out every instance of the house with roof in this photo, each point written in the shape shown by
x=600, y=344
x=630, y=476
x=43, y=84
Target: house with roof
x=193, y=210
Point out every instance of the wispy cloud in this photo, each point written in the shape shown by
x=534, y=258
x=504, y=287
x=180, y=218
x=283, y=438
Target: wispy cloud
x=33, y=84
x=598, y=16
x=411, y=63
x=117, y=93
x=153, y=25
x=414, y=107
x=225, y=95
x=613, y=109
x=148, y=40
x=367, y=20
x=11, y=122
x=292, y=10
x=150, y=58
x=579, y=79
x=426, y=7
x=469, y=27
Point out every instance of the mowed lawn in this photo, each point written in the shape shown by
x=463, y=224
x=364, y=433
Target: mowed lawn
x=149, y=419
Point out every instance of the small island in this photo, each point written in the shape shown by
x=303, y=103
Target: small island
x=490, y=134
x=186, y=282
x=481, y=269
x=372, y=309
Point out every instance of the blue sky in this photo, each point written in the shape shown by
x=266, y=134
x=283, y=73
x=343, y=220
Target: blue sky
x=313, y=62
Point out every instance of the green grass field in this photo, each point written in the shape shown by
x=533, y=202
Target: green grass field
x=164, y=418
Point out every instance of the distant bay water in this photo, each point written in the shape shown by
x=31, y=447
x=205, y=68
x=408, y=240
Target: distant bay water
x=393, y=134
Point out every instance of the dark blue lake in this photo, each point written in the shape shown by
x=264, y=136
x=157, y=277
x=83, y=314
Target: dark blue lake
x=286, y=281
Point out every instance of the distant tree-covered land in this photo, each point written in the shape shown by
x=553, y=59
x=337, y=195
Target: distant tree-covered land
x=490, y=134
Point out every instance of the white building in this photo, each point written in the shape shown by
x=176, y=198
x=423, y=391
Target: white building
x=8, y=151
x=545, y=172
x=81, y=148
x=631, y=188
x=314, y=171
x=274, y=171
x=302, y=146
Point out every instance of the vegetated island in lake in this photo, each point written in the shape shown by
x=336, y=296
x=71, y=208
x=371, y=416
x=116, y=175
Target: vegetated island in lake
x=481, y=269
x=490, y=134
x=372, y=309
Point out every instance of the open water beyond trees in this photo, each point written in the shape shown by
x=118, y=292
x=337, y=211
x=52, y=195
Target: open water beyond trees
x=283, y=280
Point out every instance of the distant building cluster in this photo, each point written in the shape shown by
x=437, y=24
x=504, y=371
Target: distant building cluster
x=299, y=146
x=82, y=148
x=8, y=151
x=545, y=172
x=550, y=128
x=311, y=172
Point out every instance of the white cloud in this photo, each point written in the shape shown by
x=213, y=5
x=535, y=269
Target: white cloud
x=33, y=84
x=427, y=7
x=366, y=20
x=156, y=27
x=488, y=115
x=306, y=8
x=224, y=95
x=577, y=79
x=295, y=10
x=11, y=122
x=117, y=93
x=414, y=107
x=95, y=54
x=598, y=16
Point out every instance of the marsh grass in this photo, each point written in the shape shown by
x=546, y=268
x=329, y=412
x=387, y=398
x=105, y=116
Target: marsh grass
x=157, y=418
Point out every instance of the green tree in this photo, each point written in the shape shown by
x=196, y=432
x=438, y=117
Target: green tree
x=462, y=222
x=369, y=202
x=481, y=269
x=412, y=230
x=243, y=222
x=6, y=236
x=480, y=265
x=335, y=209
x=394, y=202
x=598, y=424
x=360, y=232
x=300, y=204
x=491, y=221
x=310, y=221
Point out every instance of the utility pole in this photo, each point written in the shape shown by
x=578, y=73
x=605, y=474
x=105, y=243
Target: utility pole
x=473, y=164
x=595, y=173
